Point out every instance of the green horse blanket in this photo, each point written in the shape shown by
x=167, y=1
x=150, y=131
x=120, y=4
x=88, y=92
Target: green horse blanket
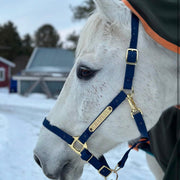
x=161, y=20
x=165, y=143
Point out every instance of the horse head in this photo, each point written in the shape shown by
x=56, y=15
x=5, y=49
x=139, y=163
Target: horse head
x=95, y=79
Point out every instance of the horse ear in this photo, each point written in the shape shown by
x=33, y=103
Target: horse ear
x=110, y=8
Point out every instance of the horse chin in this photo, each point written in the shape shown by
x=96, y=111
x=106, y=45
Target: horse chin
x=69, y=171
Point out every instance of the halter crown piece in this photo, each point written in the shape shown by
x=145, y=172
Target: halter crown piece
x=78, y=144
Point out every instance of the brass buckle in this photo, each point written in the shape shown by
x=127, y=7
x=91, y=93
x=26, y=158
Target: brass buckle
x=105, y=168
x=134, y=108
x=132, y=63
x=77, y=146
x=112, y=171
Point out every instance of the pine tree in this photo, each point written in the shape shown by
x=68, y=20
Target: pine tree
x=79, y=12
x=27, y=45
x=11, y=39
x=46, y=36
x=83, y=11
x=73, y=39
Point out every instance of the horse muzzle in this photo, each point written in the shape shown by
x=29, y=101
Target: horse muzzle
x=44, y=168
x=65, y=170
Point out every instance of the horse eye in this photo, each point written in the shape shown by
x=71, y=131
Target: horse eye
x=85, y=73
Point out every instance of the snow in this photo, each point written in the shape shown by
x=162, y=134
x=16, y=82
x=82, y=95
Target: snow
x=20, y=122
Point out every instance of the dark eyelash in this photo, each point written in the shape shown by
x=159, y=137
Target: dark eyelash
x=85, y=73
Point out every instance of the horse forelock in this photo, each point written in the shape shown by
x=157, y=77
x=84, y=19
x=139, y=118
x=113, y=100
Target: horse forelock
x=90, y=33
x=99, y=27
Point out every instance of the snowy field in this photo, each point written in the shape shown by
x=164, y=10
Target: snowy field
x=20, y=122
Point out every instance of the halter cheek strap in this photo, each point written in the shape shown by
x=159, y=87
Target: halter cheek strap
x=131, y=54
x=78, y=144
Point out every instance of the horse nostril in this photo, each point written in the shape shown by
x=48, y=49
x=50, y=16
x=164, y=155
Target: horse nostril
x=37, y=160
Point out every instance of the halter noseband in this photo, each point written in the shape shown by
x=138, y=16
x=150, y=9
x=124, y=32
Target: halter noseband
x=79, y=145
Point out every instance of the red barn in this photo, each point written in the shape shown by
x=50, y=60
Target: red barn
x=5, y=71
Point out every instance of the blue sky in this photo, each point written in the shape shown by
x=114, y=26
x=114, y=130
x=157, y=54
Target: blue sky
x=29, y=15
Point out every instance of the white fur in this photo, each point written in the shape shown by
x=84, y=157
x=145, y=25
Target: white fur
x=154, y=166
x=102, y=45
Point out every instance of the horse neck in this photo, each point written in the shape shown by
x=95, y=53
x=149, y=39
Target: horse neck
x=155, y=78
x=163, y=62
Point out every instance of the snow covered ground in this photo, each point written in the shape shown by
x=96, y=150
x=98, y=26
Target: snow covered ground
x=20, y=122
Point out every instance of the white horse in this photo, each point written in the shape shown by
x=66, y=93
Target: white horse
x=101, y=52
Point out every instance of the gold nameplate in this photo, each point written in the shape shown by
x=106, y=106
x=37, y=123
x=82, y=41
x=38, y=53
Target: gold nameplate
x=100, y=119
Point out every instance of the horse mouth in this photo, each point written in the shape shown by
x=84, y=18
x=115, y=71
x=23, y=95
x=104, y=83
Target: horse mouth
x=61, y=173
x=65, y=171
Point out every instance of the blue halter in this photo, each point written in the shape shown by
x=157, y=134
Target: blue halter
x=78, y=144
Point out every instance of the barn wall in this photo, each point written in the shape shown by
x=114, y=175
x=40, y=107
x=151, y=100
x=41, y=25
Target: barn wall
x=54, y=87
x=6, y=81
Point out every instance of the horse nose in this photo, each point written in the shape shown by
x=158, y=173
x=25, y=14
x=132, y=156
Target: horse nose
x=37, y=160
x=46, y=173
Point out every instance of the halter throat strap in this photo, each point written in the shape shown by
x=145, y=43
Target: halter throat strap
x=78, y=144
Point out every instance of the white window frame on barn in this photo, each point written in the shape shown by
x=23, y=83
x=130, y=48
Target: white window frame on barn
x=2, y=74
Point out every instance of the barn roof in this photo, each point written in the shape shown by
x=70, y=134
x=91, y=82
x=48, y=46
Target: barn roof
x=5, y=61
x=50, y=60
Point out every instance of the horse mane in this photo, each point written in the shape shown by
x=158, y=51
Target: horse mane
x=98, y=26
